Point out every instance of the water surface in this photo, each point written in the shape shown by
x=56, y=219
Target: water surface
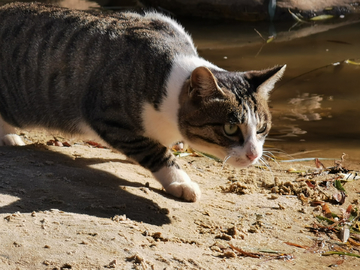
x=317, y=104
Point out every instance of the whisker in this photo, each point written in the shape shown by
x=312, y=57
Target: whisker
x=269, y=156
x=272, y=157
x=267, y=166
x=269, y=152
x=279, y=151
x=263, y=162
x=225, y=159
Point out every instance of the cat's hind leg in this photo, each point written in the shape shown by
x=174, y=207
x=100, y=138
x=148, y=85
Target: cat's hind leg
x=8, y=135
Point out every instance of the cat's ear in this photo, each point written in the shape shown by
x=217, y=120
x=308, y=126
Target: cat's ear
x=203, y=83
x=264, y=80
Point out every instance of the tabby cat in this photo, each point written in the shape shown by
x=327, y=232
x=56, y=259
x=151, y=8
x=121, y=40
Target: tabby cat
x=134, y=80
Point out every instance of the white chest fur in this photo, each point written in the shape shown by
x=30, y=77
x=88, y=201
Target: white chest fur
x=162, y=125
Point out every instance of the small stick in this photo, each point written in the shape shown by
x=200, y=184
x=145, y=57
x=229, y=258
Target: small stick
x=259, y=34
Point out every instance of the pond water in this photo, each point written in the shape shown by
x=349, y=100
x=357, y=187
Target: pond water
x=316, y=106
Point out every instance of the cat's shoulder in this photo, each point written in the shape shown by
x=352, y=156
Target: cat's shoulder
x=165, y=20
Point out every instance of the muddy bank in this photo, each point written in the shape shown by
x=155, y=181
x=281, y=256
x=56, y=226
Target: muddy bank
x=82, y=207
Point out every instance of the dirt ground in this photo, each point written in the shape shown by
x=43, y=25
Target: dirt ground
x=82, y=207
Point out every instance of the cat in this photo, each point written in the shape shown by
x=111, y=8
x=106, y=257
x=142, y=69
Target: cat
x=134, y=80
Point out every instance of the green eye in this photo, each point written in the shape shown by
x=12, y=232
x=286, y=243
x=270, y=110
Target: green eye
x=262, y=129
x=230, y=129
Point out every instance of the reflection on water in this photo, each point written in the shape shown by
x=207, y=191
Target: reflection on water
x=289, y=131
x=324, y=108
x=317, y=104
x=305, y=107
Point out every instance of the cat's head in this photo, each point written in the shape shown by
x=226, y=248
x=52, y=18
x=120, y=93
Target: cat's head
x=226, y=114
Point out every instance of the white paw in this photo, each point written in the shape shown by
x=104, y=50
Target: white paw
x=11, y=139
x=177, y=183
x=189, y=191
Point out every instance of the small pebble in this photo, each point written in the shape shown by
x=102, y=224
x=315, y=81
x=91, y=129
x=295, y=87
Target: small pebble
x=57, y=143
x=112, y=264
x=229, y=254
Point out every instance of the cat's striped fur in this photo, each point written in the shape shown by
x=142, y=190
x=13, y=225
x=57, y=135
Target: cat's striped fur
x=134, y=80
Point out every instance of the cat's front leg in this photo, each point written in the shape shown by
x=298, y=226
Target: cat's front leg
x=161, y=162
x=177, y=183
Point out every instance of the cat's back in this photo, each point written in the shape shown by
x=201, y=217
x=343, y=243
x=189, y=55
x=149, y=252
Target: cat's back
x=153, y=28
x=52, y=41
x=80, y=58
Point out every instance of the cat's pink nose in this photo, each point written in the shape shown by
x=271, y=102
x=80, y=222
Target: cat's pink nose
x=251, y=157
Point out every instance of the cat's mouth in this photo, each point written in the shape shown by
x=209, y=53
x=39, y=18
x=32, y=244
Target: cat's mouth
x=240, y=158
x=240, y=162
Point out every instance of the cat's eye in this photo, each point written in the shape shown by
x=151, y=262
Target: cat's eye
x=262, y=129
x=230, y=129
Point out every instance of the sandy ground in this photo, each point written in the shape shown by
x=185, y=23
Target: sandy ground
x=82, y=207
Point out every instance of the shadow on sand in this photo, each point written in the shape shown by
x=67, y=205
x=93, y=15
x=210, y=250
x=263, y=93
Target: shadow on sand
x=44, y=180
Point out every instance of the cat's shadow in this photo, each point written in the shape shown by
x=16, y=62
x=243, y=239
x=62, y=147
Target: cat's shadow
x=36, y=179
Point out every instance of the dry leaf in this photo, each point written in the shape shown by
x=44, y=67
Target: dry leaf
x=353, y=242
x=319, y=165
x=311, y=185
x=326, y=210
x=296, y=245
